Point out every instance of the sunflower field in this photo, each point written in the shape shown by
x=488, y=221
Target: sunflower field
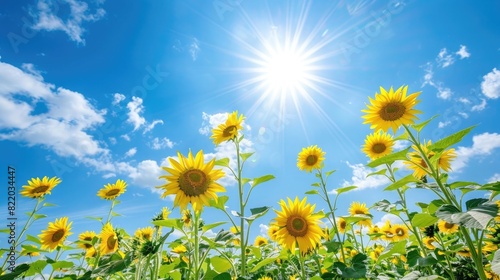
x=447, y=237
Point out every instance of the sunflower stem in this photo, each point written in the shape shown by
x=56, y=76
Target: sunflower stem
x=302, y=266
x=196, y=257
x=242, y=211
x=55, y=260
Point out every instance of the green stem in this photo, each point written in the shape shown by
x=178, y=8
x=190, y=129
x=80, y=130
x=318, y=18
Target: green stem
x=242, y=211
x=55, y=260
x=302, y=266
x=196, y=257
x=477, y=257
x=447, y=257
x=108, y=219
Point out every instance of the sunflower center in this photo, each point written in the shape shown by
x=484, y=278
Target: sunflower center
x=86, y=245
x=311, y=159
x=400, y=232
x=40, y=189
x=448, y=226
x=58, y=235
x=112, y=192
x=359, y=211
x=111, y=242
x=229, y=131
x=392, y=111
x=146, y=236
x=296, y=226
x=193, y=182
x=379, y=148
x=342, y=224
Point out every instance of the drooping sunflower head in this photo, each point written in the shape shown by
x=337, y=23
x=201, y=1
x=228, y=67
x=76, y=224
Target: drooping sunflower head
x=341, y=225
x=228, y=130
x=429, y=242
x=260, y=241
x=192, y=181
x=37, y=188
x=298, y=225
x=447, y=228
x=55, y=234
x=30, y=251
x=374, y=232
x=112, y=191
x=85, y=239
x=358, y=208
x=310, y=158
x=109, y=240
x=144, y=233
x=419, y=166
x=391, y=109
x=378, y=144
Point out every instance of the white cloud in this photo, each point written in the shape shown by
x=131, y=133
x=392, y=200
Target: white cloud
x=146, y=175
x=494, y=178
x=462, y=52
x=490, y=86
x=479, y=107
x=117, y=98
x=464, y=100
x=108, y=175
x=393, y=219
x=444, y=93
x=444, y=59
x=158, y=143
x=135, y=109
x=194, y=49
x=482, y=145
x=46, y=18
x=400, y=145
x=443, y=124
x=463, y=115
x=60, y=125
x=112, y=140
x=152, y=125
x=264, y=229
x=211, y=121
x=359, y=177
x=125, y=137
x=131, y=152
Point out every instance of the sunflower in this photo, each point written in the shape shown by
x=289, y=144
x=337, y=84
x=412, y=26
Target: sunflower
x=400, y=232
x=109, y=240
x=112, y=191
x=144, y=233
x=90, y=253
x=428, y=242
x=186, y=217
x=391, y=109
x=271, y=232
x=378, y=144
x=85, y=239
x=55, y=234
x=298, y=225
x=310, y=158
x=341, y=225
x=260, y=241
x=30, y=251
x=180, y=249
x=192, y=181
x=374, y=232
x=38, y=188
x=447, y=228
x=228, y=130
x=418, y=164
x=388, y=233
x=358, y=208
x=265, y=278
x=376, y=251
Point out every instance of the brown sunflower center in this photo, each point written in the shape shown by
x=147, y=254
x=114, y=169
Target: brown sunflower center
x=112, y=192
x=448, y=226
x=392, y=111
x=40, y=189
x=229, y=131
x=359, y=211
x=86, y=245
x=111, y=242
x=400, y=232
x=311, y=160
x=146, y=235
x=296, y=226
x=193, y=182
x=58, y=235
x=342, y=224
x=379, y=148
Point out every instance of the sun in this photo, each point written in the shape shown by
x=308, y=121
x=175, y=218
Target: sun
x=284, y=71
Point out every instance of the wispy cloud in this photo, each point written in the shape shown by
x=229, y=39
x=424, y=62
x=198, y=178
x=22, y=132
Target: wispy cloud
x=443, y=124
x=46, y=17
x=490, y=86
x=194, y=49
x=444, y=59
x=462, y=52
x=117, y=98
x=482, y=145
x=359, y=177
x=152, y=125
x=479, y=107
x=442, y=91
x=164, y=142
x=134, y=114
x=131, y=152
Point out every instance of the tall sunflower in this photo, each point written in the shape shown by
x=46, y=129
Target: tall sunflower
x=109, y=240
x=38, y=188
x=144, y=233
x=310, y=158
x=260, y=241
x=192, y=181
x=228, y=130
x=271, y=232
x=55, y=234
x=341, y=225
x=378, y=144
x=417, y=163
x=85, y=239
x=298, y=225
x=429, y=242
x=112, y=191
x=400, y=232
x=391, y=109
x=447, y=228
x=358, y=208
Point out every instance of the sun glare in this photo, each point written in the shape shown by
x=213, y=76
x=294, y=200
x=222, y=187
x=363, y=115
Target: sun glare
x=284, y=72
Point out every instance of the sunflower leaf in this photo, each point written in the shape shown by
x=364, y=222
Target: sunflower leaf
x=401, y=182
x=491, y=186
x=262, y=179
x=258, y=212
x=16, y=272
x=393, y=248
x=262, y=263
x=328, y=173
x=450, y=140
x=245, y=156
x=379, y=172
x=495, y=263
x=46, y=204
x=33, y=239
x=460, y=184
x=211, y=226
x=420, y=126
x=345, y=189
x=220, y=264
x=221, y=202
x=423, y=220
x=95, y=218
x=312, y=192
x=36, y=267
x=478, y=216
x=62, y=264
x=390, y=158
x=222, y=162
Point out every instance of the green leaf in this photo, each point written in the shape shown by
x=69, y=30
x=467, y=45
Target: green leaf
x=223, y=276
x=258, y=212
x=46, y=204
x=62, y=264
x=477, y=217
x=380, y=172
x=491, y=186
x=221, y=202
x=245, y=156
x=170, y=223
x=312, y=192
x=450, y=140
x=384, y=206
x=472, y=203
x=262, y=263
x=390, y=158
x=418, y=127
x=222, y=162
x=262, y=179
x=220, y=264
x=328, y=173
x=112, y=267
x=211, y=226
x=36, y=267
x=401, y=182
x=427, y=261
x=495, y=263
x=460, y=184
x=332, y=246
x=423, y=220
x=356, y=271
x=33, y=239
x=345, y=189
x=20, y=269
x=256, y=252
x=95, y=218
x=393, y=248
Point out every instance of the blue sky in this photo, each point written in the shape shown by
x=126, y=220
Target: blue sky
x=97, y=91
